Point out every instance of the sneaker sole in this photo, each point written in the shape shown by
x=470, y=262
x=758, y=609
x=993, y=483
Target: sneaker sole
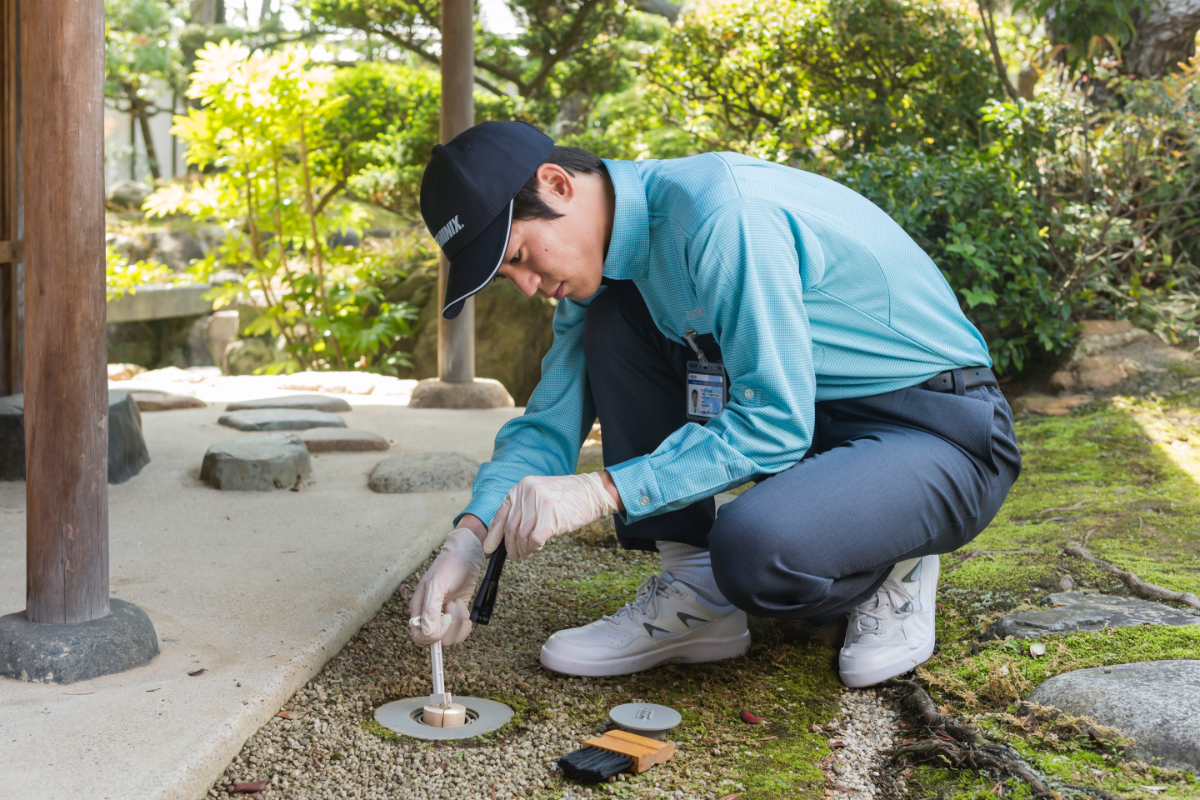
x=682, y=653
x=860, y=679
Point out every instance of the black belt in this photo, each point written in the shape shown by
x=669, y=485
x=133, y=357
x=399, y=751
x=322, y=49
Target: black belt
x=970, y=378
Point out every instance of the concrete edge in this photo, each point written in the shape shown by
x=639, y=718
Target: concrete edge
x=194, y=778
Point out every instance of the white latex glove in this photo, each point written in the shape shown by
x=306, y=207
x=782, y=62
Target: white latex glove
x=441, y=598
x=538, y=508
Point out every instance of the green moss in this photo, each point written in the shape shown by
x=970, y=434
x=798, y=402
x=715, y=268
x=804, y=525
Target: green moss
x=375, y=729
x=1004, y=672
x=1096, y=475
x=788, y=679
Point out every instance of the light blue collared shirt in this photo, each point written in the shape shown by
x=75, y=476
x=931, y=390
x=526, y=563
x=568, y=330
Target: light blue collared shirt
x=812, y=292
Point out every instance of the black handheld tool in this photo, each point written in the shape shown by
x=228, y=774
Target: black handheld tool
x=485, y=598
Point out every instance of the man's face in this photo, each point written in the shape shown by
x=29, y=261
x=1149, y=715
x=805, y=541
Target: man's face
x=561, y=257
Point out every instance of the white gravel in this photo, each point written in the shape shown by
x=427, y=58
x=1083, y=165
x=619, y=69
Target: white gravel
x=865, y=728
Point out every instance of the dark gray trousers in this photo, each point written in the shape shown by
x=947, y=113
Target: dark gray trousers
x=888, y=477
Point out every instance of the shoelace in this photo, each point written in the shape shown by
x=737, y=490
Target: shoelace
x=890, y=592
x=646, y=600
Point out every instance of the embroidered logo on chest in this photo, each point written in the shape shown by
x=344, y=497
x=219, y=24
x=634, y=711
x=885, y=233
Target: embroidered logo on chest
x=695, y=313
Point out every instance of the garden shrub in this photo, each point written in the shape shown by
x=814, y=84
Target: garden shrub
x=265, y=134
x=788, y=80
x=398, y=106
x=975, y=215
x=1071, y=210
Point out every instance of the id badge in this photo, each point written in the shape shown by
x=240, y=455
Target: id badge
x=707, y=390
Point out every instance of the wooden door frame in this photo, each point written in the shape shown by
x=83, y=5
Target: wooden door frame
x=11, y=213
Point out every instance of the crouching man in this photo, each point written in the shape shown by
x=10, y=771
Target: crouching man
x=728, y=320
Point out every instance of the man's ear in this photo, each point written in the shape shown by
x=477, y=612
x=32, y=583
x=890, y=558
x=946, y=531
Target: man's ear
x=555, y=185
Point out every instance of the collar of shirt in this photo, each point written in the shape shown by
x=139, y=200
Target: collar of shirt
x=629, y=248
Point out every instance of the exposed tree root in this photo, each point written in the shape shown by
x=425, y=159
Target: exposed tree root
x=973, y=554
x=1147, y=591
x=965, y=746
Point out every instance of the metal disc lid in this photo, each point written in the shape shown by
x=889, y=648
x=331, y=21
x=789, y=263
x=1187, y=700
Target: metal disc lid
x=645, y=719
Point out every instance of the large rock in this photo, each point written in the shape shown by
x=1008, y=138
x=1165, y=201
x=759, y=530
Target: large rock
x=127, y=452
x=1037, y=403
x=280, y=419
x=1111, y=353
x=175, y=249
x=512, y=332
x=260, y=462
x=124, y=372
x=1078, y=611
x=479, y=393
x=12, y=438
x=247, y=356
x=423, y=472
x=344, y=440
x=128, y=195
x=220, y=329
x=1156, y=703
x=312, y=402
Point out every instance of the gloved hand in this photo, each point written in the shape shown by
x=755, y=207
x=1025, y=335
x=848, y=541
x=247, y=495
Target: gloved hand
x=441, y=598
x=540, y=507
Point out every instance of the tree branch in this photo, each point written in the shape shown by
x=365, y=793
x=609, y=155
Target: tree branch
x=1147, y=591
x=989, y=30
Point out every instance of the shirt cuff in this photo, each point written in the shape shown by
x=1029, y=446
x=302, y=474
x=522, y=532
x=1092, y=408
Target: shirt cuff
x=484, y=505
x=638, y=487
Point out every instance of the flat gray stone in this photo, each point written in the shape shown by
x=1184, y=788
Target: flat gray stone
x=1079, y=611
x=328, y=440
x=1156, y=703
x=423, y=472
x=280, y=419
x=257, y=463
x=312, y=402
x=76, y=651
x=161, y=401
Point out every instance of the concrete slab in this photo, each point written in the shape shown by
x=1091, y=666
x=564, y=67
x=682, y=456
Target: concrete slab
x=258, y=590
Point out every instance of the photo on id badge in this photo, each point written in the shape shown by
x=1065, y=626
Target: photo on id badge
x=706, y=395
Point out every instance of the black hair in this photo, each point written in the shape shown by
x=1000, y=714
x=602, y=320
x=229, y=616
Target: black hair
x=528, y=204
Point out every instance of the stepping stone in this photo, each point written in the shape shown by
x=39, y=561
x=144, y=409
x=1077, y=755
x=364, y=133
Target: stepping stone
x=258, y=463
x=1156, y=703
x=1087, y=612
x=312, y=402
x=161, y=401
x=280, y=419
x=328, y=440
x=423, y=472
x=127, y=452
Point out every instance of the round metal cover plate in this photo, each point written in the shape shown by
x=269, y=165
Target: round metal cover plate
x=646, y=719
x=404, y=716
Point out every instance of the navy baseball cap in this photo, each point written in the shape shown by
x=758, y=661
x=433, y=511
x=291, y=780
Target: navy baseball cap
x=467, y=196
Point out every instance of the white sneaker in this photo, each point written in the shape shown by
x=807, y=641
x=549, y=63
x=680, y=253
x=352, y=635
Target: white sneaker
x=665, y=624
x=893, y=631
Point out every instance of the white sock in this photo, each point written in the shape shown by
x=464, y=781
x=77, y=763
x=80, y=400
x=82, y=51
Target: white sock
x=693, y=566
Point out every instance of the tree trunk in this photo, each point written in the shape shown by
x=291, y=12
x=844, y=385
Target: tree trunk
x=151, y=154
x=1165, y=36
x=572, y=114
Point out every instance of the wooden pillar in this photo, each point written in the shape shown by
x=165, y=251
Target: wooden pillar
x=66, y=384
x=456, y=337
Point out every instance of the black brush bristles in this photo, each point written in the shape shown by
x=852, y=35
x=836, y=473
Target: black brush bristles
x=593, y=765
